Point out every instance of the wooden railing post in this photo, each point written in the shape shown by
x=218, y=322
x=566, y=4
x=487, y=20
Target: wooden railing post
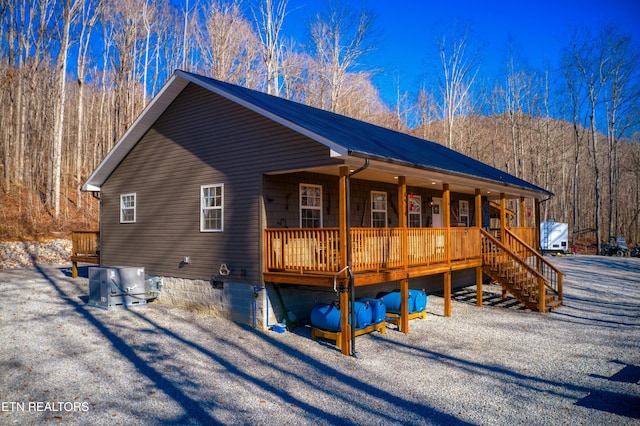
x=560, y=287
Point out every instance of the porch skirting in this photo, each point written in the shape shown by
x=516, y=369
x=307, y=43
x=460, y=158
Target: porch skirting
x=259, y=306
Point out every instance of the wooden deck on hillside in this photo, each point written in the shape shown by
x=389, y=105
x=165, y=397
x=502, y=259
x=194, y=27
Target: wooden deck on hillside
x=85, y=248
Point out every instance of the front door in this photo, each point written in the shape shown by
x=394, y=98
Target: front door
x=436, y=213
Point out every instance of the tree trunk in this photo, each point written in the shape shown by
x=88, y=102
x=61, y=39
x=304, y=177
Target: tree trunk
x=56, y=154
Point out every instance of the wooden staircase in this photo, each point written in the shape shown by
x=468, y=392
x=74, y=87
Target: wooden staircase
x=521, y=271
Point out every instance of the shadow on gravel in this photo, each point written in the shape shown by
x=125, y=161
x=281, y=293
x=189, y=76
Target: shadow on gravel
x=614, y=403
x=334, y=384
x=468, y=295
x=328, y=387
x=597, y=399
x=587, y=317
x=192, y=409
x=628, y=374
x=351, y=389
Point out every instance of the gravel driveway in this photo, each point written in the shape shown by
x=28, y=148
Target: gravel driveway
x=64, y=362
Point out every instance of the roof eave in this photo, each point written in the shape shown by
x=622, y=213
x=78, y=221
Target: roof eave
x=532, y=191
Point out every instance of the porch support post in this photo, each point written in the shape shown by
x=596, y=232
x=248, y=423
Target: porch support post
x=536, y=225
x=479, y=286
x=478, y=200
x=536, y=233
x=342, y=216
x=503, y=217
x=344, y=293
x=345, y=332
x=523, y=213
x=446, y=201
x=402, y=218
x=447, y=294
x=404, y=284
x=503, y=227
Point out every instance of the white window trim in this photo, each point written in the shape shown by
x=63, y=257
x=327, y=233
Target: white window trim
x=418, y=199
x=463, y=208
x=386, y=201
x=319, y=208
x=220, y=207
x=134, y=208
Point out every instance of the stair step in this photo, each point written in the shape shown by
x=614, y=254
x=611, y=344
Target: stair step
x=554, y=304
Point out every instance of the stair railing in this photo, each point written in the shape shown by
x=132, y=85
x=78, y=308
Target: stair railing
x=495, y=254
x=552, y=275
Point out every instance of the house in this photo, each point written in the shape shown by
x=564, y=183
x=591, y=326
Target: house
x=255, y=207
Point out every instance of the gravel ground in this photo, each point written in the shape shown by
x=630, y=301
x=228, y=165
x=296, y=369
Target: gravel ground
x=64, y=362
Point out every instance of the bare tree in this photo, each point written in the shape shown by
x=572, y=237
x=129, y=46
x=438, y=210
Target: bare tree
x=294, y=68
x=593, y=59
x=426, y=108
x=69, y=8
x=88, y=20
x=149, y=15
x=227, y=44
x=340, y=37
x=460, y=62
x=269, y=16
x=575, y=104
x=517, y=93
x=620, y=95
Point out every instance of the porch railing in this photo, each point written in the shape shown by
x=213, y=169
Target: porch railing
x=309, y=249
x=527, y=235
x=373, y=249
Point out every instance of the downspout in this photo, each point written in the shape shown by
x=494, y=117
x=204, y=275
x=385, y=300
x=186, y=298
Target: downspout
x=349, y=259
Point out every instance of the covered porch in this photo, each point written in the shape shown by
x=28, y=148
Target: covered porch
x=346, y=257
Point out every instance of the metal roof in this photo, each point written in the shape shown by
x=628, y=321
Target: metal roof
x=343, y=135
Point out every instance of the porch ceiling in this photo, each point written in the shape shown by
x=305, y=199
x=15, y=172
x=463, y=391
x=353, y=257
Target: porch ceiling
x=379, y=171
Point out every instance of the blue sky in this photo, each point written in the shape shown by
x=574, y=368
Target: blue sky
x=407, y=31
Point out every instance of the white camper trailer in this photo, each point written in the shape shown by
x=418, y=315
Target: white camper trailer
x=554, y=237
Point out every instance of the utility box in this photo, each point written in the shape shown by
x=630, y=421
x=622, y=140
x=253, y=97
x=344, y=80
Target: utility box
x=117, y=286
x=554, y=237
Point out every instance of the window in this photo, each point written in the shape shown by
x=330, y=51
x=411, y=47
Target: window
x=464, y=212
x=212, y=208
x=127, y=208
x=414, y=210
x=378, y=209
x=310, y=206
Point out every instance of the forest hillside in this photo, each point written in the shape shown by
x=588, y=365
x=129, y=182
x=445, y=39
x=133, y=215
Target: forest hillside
x=74, y=74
